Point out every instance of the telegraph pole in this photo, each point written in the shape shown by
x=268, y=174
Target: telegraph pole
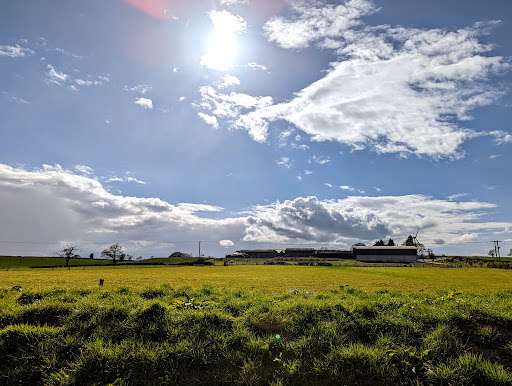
x=199, y=249
x=497, y=248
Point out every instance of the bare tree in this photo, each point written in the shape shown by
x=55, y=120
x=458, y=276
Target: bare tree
x=491, y=253
x=114, y=252
x=67, y=253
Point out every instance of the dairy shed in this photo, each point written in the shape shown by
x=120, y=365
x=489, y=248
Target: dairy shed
x=385, y=254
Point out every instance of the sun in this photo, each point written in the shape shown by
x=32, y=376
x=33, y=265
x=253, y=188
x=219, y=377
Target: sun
x=222, y=51
x=223, y=46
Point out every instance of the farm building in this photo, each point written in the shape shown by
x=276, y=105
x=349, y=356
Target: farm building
x=333, y=254
x=299, y=252
x=385, y=254
x=256, y=253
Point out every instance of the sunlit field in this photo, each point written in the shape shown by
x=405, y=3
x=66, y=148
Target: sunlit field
x=255, y=324
x=277, y=279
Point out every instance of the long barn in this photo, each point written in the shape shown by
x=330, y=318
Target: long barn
x=384, y=254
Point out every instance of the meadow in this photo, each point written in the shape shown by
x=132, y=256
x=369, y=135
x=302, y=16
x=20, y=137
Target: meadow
x=277, y=279
x=256, y=325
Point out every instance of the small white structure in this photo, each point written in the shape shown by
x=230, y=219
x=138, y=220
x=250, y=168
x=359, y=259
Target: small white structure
x=385, y=254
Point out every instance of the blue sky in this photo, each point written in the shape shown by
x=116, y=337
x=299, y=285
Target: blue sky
x=254, y=124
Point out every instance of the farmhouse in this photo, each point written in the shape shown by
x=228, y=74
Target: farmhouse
x=383, y=254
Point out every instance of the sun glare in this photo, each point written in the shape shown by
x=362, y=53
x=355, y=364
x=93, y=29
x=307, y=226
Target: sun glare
x=223, y=42
x=222, y=51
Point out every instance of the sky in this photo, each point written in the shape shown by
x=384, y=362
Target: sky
x=249, y=124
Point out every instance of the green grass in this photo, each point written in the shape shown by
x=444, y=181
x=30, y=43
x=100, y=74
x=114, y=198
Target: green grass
x=209, y=336
x=23, y=262
x=278, y=279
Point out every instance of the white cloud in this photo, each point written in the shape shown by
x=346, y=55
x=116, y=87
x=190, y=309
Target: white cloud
x=15, y=51
x=53, y=76
x=393, y=90
x=122, y=179
x=283, y=137
x=319, y=160
x=378, y=189
x=284, y=161
x=229, y=3
x=457, y=196
x=56, y=77
x=133, y=179
x=226, y=21
x=315, y=20
x=17, y=100
x=493, y=156
x=501, y=137
x=328, y=184
x=87, y=170
x=232, y=105
x=68, y=53
x=175, y=69
x=181, y=98
x=256, y=66
x=139, y=88
x=57, y=204
x=209, y=119
x=370, y=218
x=226, y=243
x=88, y=83
x=144, y=102
x=346, y=187
x=229, y=80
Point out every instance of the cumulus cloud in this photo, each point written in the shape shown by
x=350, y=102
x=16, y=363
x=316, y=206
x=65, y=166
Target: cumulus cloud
x=369, y=218
x=392, y=89
x=228, y=22
x=314, y=20
x=397, y=91
x=229, y=80
x=226, y=243
x=15, y=51
x=232, y=106
x=54, y=204
x=144, y=102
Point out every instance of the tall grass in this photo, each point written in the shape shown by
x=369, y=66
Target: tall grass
x=165, y=335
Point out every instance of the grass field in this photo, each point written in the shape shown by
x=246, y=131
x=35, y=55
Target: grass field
x=207, y=336
x=255, y=325
x=21, y=262
x=277, y=279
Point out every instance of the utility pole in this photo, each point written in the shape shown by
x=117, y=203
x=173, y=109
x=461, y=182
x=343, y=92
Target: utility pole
x=199, y=249
x=497, y=248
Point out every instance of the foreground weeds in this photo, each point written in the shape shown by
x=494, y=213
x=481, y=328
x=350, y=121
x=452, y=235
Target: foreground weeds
x=210, y=336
